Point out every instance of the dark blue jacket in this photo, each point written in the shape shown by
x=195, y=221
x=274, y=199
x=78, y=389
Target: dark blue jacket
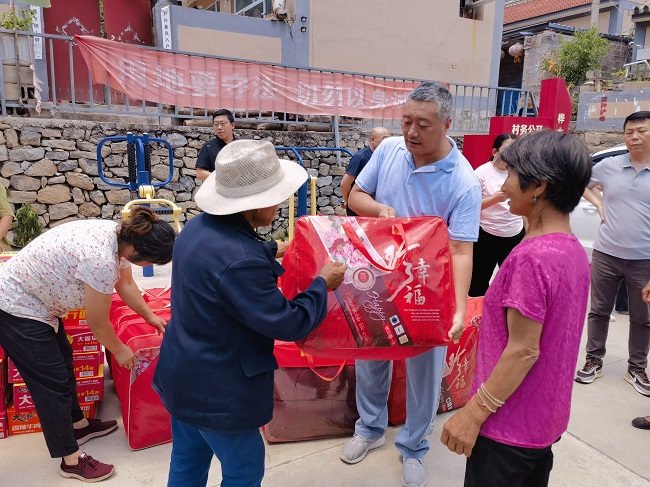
x=215, y=370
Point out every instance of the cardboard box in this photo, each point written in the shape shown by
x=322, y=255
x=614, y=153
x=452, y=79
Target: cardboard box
x=90, y=409
x=2, y=354
x=5, y=389
x=14, y=375
x=75, y=317
x=86, y=364
x=91, y=389
x=3, y=424
x=81, y=339
x=22, y=398
x=22, y=422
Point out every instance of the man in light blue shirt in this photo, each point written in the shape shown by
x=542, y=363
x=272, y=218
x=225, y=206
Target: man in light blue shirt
x=419, y=174
x=621, y=252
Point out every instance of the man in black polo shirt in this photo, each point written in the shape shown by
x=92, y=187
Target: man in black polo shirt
x=224, y=125
x=359, y=161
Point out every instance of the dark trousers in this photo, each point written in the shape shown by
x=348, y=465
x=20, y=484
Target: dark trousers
x=44, y=359
x=494, y=464
x=607, y=273
x=489, y=251
x=621, y=298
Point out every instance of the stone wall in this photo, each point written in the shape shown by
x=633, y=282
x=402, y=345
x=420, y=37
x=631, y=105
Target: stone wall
x=599, y=140
x=52, y=165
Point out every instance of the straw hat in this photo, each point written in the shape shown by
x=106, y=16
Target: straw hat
x=248, y=175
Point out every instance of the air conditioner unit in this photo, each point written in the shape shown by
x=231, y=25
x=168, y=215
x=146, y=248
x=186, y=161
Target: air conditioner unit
x=642, y=54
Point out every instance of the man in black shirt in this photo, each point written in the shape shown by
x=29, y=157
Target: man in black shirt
x=359, y=161
x=224, y=125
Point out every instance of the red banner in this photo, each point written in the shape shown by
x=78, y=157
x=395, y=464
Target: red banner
x=200, y=82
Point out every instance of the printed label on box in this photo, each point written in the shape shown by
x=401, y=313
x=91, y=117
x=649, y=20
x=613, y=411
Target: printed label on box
x=14, y=375
x=86, y=364
x=81, y=338
x=75, y=317
x=22, y=398
x=89, y=409
x=91, y=389
x=22, y=422
x=3, y=424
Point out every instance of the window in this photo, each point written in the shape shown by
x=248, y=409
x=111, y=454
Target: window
x=253, y=8
x=467, y=12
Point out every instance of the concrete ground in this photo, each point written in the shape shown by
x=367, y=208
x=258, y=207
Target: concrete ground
x=600, y=448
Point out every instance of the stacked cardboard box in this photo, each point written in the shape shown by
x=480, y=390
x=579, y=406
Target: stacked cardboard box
x=88, y=364
x=5, y=394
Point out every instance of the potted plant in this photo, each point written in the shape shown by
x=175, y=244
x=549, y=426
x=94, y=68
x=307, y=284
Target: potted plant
x=26, y=227
x=21, y=20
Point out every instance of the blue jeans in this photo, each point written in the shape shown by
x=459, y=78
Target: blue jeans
x=423, y=377
x=241, y=454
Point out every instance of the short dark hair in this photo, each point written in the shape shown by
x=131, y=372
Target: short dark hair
x=557, y=158
x=637, y=117
x=152, y=238
x=501, y=138
x=225, y=112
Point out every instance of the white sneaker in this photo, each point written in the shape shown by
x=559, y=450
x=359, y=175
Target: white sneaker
x=357, y=448
x=612, y=318
x=414, y=473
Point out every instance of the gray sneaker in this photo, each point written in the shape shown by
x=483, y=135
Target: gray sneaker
x=414, y=473
x=357, y=448
x=589, y=373
x=639, y=380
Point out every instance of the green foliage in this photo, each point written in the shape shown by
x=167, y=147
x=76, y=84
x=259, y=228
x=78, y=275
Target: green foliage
x=574, y=58
x=26, y=227
x=23, y=21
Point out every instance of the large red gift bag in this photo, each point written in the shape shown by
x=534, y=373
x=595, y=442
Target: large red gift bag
x=146, y=421
x=314, y=398
x=458, y=373
x=397, y=298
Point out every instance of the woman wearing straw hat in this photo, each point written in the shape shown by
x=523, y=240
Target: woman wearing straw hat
x=215, y=371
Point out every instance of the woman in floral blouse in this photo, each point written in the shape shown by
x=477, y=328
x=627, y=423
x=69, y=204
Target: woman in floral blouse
x=75, y=265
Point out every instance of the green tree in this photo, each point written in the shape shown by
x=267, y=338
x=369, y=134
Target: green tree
x=574, y=58
x=26, y=227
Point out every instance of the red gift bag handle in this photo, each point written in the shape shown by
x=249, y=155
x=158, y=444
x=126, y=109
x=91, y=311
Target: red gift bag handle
x=398, y=229
x=310, y=361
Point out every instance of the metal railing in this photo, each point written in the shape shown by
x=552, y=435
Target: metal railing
x=70, y=88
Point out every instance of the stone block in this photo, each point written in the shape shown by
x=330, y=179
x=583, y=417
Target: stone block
x=337, y=171
x=44, y=167
x=80, y=154
x=67, y=165
x=25, y=183
x=324, y=181
x=47, y=132
x=4, y=153
x=89, y=166
x=53, y=194
x=11, y=137
x=10, y=168
x=55, y=180
x=79, y=181
x=29, y=137
x=89, y=210
x=26, y=154
x=97, y=197
x=23, y=196
x=67, y=145
x=118, y=197
x=114, y=160
x=62, y=210
x=78, y=196
x=175, y=140
x=72, y=133
x=107, y=211
x=57, y=155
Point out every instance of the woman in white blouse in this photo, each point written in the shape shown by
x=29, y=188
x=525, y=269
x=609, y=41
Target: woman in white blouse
x=75, y=265
x=500, y=231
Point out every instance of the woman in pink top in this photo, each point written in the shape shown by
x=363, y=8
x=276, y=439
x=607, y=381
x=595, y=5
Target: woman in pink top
x=533, y=316
x=500, y=230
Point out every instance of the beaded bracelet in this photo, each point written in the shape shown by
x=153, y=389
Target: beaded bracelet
x=482, y=404
x=490, y=397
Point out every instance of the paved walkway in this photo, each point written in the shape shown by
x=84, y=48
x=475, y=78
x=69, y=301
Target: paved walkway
x=601, y=448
